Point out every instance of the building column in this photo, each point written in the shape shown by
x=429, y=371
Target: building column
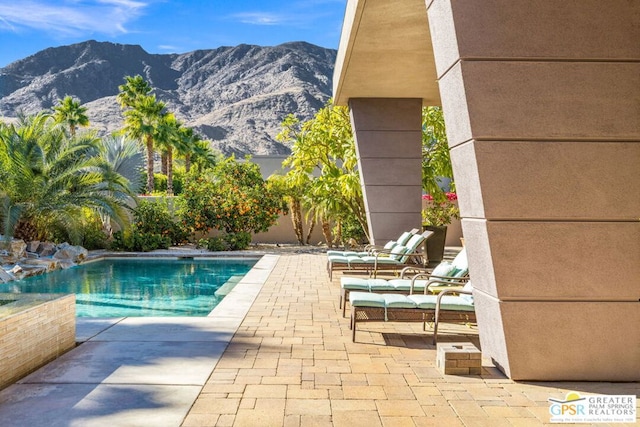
x=388, y=136
x=542, y=106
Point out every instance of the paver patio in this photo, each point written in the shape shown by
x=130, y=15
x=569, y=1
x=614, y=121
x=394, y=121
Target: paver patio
x=292, y=363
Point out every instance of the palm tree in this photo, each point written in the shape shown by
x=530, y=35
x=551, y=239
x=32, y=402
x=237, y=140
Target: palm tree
x=48, y=179
x=167, y=136
x=203, y=156
x=134, y=88
x=292, y=190
x=69, y=112
x=140, y=123
x=187, y=146
x=23, y=148
x=143, y=111
x=126, y=156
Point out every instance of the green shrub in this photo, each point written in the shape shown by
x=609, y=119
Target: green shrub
x=93, y=234
x=139, y=242
x=153, y=228
x=87, y=231
x=237, y=241
x=154, y=217
x=227, y=242
x=215, y=244
x=122, y=241
x=150, y=242
x=179, y=175
x=352, y=229
x=160, y=182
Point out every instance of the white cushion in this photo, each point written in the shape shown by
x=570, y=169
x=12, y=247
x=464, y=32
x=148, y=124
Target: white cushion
x=460, y=262
x=397, y=252
x=390, y=245
x=404, y=238
x=469, y=288
x=443, y=269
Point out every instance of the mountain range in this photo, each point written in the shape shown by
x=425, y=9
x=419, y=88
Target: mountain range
x=236, y=97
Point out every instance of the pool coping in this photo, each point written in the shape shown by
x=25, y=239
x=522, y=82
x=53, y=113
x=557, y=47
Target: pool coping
x=172, y=253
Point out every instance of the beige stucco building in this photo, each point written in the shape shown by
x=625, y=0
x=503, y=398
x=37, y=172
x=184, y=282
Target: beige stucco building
x=542, y=107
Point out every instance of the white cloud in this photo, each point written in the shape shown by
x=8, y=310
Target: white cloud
x=300, y=14
x=71, y=17
x=124, y=3
x=168, y=47
x=7, y=24
x=261, y=18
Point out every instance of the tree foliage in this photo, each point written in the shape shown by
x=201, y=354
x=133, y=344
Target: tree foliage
x=141, y=123
x=48, y=181
x=70, y=112
x=323, y=165
x=436, y=162
x=292, y=193
x=148, y=120
x=168, y=137
x=134, y=88
x=232, y=197
x=153, y=228
x=126, y=156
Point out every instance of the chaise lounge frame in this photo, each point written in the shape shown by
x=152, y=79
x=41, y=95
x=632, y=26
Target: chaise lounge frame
x=412, y=258
x=452, y=283
x=360, y=314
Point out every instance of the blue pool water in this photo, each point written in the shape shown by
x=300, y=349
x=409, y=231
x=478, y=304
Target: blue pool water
x=139, y=287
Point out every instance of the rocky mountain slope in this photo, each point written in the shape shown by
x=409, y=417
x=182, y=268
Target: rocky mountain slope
x=234, y=96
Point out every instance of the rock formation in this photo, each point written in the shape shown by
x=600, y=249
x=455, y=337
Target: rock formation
x=19, y=259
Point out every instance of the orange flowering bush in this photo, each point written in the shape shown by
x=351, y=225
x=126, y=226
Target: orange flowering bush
x=233, y=198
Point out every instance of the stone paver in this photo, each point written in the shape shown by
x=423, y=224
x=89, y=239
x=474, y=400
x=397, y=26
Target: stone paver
x=292, y=363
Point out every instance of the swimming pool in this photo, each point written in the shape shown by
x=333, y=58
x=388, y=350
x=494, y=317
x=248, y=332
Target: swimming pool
x=142, y=287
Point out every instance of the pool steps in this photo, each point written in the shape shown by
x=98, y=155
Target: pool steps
x=228, y=286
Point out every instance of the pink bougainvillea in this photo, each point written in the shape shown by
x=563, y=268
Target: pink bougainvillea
x=440, y=213
x=451, y=196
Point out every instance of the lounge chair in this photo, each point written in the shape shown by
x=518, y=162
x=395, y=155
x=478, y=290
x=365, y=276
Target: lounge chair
x=395, y=259
x=454, y=308
x=410, y=282
x=444, y=307
x=370, y=249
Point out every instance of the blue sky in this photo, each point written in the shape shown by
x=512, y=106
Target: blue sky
x=165, y=26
